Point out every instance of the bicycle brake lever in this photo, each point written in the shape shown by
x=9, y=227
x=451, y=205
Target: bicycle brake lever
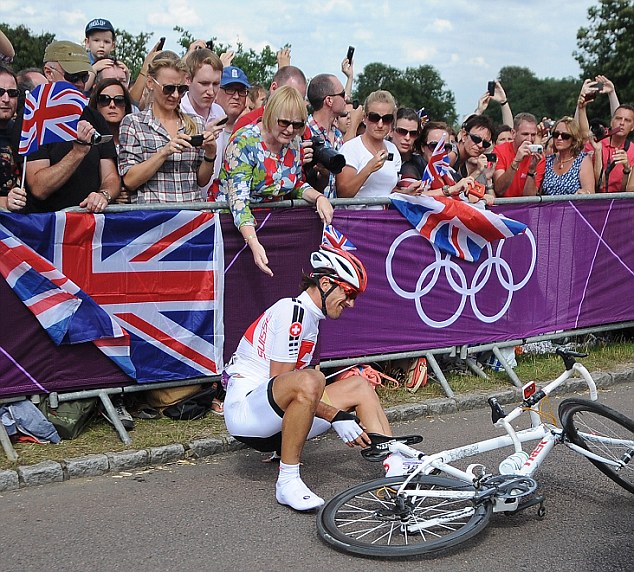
x=497, y=412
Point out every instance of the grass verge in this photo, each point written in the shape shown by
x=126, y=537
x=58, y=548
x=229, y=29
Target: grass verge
x=100, y=437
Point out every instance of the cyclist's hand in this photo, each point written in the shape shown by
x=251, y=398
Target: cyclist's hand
x=347, y=427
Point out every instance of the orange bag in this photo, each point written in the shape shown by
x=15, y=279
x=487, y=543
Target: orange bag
x=374, y=378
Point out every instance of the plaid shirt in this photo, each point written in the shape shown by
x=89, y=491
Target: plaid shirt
x=141, y=136
x=317, y=130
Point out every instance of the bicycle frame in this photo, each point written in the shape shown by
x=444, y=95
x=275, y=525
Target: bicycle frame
x=547, y=435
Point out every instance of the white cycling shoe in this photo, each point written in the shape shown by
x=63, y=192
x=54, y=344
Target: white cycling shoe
x=297, y=495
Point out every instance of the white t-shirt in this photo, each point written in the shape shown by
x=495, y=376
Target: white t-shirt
x=380, y=183
x=286, y=332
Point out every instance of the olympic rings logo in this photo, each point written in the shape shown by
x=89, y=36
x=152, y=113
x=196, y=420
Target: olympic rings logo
x=457, y=279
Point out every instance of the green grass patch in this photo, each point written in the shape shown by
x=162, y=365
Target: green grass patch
x=100, y=437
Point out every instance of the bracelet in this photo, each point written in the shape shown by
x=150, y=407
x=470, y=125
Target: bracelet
x=248, y=238
x=514, y=167
x=209, y=159
x=321, y=197
x=530, y=174
x=106, y=195
x=504, y=102
x=143, y=73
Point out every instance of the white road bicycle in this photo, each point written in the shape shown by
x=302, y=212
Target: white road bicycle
x=433, y=505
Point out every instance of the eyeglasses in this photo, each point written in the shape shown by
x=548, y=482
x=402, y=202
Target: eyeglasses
x=81, y=77
x=104, y=100
x=375, y=117
x=348, y=290
x=170, y=88
x=564, y=136
x=404, y=132
x=231, y=91
x=480, y=141
x=286, y=123
x=432, y=146
x=342, y=94
x=10, y=92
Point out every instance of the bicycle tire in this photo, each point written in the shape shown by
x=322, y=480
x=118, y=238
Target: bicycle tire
x=343, y=521
x=586, y=422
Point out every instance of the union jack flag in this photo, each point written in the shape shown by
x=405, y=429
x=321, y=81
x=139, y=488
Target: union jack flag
x=454, y=226
x=159, y=275
x=438, y=172
x=332, y=237
x=67, y=314
x=51, y=113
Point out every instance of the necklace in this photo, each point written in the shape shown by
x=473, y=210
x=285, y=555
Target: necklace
x=562, y=163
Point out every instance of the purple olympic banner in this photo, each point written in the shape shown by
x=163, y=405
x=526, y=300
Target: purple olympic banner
x=574, y=267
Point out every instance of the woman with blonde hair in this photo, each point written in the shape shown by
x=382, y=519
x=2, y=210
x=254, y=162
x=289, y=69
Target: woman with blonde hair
x=158, y=155
x=569, y=169
x=263, y=163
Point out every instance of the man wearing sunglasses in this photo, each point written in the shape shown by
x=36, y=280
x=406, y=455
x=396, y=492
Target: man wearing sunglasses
x=519, y=171
x=327, y=97
x=404, y=134
x=10, y=164
x=275, y=401
x=73, y=173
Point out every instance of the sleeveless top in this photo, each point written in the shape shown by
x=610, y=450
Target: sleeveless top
x=568, y=183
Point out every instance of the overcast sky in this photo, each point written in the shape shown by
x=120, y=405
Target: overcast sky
x=467, y=41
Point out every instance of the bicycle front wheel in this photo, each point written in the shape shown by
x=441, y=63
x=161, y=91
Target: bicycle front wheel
x=604, y=432
x=430, y=514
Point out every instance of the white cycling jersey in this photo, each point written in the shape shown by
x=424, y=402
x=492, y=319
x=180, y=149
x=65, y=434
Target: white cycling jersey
x=287, y=332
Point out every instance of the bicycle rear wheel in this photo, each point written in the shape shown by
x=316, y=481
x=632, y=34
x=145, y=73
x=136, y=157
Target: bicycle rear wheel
x=604, y=432
x=371, y=519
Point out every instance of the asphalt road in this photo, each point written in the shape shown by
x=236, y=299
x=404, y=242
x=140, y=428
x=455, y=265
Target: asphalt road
x=221, y=514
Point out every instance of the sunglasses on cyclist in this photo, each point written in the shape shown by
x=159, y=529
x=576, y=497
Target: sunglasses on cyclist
x=170, y=88
x=432, y=146
x=81, y=77
x=286, y=123
x=375, y=117
x=404, y=132
x=564, y=136
x=480, y=141
x=10, y=92
x=231, y=91
x=104, y=100
x=348, y=290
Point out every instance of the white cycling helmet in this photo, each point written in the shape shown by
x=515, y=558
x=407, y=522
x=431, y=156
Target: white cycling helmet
x=339, y=265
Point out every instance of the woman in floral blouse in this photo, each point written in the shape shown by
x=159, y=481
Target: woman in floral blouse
x=263, y=163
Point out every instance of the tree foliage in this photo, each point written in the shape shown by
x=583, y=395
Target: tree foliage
x=132, y=49
x=606, y=47
x=29, y=48
x=259, y=67
x=548, y=97
x=411, y=87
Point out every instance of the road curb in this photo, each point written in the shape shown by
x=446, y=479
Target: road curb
x=49, y=472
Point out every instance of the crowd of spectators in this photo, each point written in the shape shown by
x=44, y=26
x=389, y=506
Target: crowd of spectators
x=195, y=129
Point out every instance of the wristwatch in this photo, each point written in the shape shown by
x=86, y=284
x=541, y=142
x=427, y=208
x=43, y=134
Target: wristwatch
x=106, y=195
x=530, y=174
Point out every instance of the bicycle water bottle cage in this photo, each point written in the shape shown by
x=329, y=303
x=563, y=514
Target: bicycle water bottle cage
x=379, y=448
x=497, y=412
x=569, y=357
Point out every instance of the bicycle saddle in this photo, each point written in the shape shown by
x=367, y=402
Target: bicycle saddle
x=379, y=449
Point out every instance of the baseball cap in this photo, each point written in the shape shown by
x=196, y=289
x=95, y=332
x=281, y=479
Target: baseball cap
x=99, y=25
x=232, y=74
x=72, y=57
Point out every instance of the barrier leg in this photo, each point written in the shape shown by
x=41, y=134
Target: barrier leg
x=440, y=376
x=475, y=368
x=507, y=368
x=9, y=451
x=112, y=415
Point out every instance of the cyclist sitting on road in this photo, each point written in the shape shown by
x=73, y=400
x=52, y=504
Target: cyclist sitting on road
x=274, y=403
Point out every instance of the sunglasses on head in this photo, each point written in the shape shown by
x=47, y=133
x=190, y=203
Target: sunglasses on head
x=348, y=290
x=170, y=88
x=286, y=123
x=404, y=132
x=564, y=136
x=10, y=92
x=480, y=141
x=432, y=146
x=81, y=77
x=375, y=117
x=105, y=100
